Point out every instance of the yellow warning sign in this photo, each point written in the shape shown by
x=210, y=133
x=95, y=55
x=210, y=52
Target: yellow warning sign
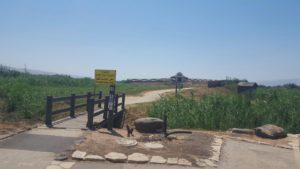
x=105, y=77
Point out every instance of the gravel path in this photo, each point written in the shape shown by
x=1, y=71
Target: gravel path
x=148, y=96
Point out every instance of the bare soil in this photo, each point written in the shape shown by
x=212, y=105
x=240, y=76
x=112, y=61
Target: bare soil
x=189, y=146
x=201, y=90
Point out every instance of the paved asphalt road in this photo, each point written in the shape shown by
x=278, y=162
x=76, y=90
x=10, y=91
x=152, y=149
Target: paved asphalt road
x=35, y=149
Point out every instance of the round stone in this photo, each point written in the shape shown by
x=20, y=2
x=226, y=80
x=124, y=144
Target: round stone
x=158, y=160
x=93, y=158
x=138, y=158
x=149, y=125
x=61, y=157
x=116, y=157
x=127, y=142
x=153, y=145
x=53, y=167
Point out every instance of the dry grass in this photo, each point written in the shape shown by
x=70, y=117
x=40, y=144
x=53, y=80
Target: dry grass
x=6, y=128
x=135, y=111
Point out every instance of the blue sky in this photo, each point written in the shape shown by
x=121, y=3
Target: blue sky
x=252, y=39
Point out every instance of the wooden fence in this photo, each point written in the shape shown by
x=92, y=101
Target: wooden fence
x=118, y=111
x=90, y=101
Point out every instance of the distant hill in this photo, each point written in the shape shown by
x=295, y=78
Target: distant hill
x=36, y=72
x=280, y=82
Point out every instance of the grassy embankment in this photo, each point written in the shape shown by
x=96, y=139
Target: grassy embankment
x=227, y=109
x=23, y=96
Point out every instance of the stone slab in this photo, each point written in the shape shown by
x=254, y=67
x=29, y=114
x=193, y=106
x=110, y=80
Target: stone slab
x=158, y=160
x=93, y=158
x=172, y=161
x=184, y=162
x=116, y=157
x=79, y=155
x=138, y=158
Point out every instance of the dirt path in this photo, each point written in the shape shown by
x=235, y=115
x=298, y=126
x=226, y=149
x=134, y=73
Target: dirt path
x=149, y=96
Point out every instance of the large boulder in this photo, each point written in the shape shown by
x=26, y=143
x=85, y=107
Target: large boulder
x=149, y=125
x=270, y=131
x=242, y=131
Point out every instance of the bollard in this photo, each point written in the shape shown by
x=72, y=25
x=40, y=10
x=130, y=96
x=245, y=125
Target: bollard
x=48, y=119
x=72, y=106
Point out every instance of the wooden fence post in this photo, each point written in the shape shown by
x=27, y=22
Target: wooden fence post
x=100, y=97
x=123, y=102
x=88, y=96
x=48, y=119
x=90, y=122
x=72, y=106
x=105, y=108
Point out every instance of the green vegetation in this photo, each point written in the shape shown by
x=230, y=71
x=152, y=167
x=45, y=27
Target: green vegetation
x=277, y=105
x=23, y=96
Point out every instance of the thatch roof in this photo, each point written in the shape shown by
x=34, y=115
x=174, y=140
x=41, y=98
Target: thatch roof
x=247, y=84
x=179, y=75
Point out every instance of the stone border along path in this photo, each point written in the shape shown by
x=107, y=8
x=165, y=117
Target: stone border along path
x=138, y=158
x=289, y=147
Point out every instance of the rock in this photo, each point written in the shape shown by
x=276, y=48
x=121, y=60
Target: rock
x=61, y=157
x=184, y=162
x=217, y=142
x=209, y=163
x=67, y=165
x=270, y=131
x=78, y=155
x=53, y=167
x=215, y=156
x=243, y=131
x=158, y=160
x=216, y=148
x=56, y=162
x=153, y=145
x=172, y=161
x=93, y=158
x=127, y=142
x=149, y=125
x=116, y=157
x=200, y=163
x=138, y=158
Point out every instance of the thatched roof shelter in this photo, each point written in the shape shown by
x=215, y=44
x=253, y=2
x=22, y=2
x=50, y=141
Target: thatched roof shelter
x=179, y=77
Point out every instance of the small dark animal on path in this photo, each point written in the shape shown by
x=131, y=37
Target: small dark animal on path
x=129, y=131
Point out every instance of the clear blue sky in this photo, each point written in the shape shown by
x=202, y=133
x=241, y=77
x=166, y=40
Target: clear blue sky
x=252, y=39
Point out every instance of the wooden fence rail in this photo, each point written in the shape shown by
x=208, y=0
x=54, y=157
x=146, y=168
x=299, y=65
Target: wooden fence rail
x=91, y=101
x=72, y=101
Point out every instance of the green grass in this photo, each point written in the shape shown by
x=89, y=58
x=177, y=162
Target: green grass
x=23, y=96
x=280, y=106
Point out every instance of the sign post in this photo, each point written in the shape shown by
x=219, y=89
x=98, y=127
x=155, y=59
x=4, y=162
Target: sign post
x=108, y=77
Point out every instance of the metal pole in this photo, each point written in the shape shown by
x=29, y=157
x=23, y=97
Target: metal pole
x=165, y=125
x=111, y=105
x=176, y=87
